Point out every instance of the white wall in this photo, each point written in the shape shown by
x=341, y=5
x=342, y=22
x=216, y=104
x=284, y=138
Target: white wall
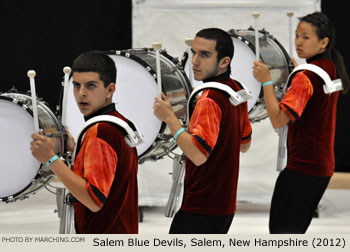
x=170, y=22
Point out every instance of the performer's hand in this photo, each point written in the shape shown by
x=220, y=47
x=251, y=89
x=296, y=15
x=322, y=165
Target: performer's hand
x=70, y=141
x=42, y=147
x=162, y=108
x=261, y=72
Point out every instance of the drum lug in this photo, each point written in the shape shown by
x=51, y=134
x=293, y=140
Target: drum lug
x=175, y=61
x=68, y=158
x=159, y=157
x=8, y=199
x=23, y=197
x=29, y=93
x=160, y=137
x=13, y=90
x=15, y=101
x=44, y=174
x=263, y=31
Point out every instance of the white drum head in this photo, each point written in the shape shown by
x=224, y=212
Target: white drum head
x=241, y=70
x=18, y=166
x=134, y=98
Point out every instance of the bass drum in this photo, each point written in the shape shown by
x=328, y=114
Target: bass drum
x=136, y=88
x=272, y=54
x=20, y=173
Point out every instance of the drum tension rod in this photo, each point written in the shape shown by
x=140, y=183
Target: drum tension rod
x=55, y=134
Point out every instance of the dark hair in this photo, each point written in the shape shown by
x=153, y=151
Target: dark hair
x=224, y=43
x=99, y=62
x=325, y=29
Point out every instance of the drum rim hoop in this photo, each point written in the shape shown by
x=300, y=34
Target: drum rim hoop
x=34, y=181
x=128, y=53
x=37, y=177
x=42, y=106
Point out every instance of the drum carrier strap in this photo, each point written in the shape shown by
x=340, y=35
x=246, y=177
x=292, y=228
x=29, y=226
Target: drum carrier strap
x=132, y=135
x=329, y=85
x=235, y=98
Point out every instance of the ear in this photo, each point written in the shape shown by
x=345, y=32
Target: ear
x=110, y=90
x=224, y=62
x=324, y=43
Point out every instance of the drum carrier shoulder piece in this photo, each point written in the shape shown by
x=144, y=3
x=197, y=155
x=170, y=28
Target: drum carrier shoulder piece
x=235, y=98
x=133, y=137
x=329, y=85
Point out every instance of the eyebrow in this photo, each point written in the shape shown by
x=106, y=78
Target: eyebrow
x=303, y=32
x=201, y=51
x=89, y=82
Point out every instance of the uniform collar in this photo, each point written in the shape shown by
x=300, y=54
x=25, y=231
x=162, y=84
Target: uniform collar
x=323, y=55
x=103, y=111
x=219, y=77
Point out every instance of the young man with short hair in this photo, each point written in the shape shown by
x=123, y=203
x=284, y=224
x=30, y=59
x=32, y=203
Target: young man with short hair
x=103, y=180
x=218, y=132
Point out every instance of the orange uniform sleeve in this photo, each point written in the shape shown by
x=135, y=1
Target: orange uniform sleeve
x=205, y=124
x=297, y=96
x=99, y=167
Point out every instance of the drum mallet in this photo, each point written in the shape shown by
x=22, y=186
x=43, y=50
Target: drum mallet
x=290, y=15
x=66, y=70
x=189, y=42
x=31, y=74
x=156, y=46
x=257, y=47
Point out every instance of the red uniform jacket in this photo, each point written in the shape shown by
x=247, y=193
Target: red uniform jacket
x=109, y=167
x=218, y=130
x=313, y=114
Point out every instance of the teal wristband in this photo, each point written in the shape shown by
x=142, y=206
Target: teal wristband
x=268, y=83
x=51, y=160
x=178, y=133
